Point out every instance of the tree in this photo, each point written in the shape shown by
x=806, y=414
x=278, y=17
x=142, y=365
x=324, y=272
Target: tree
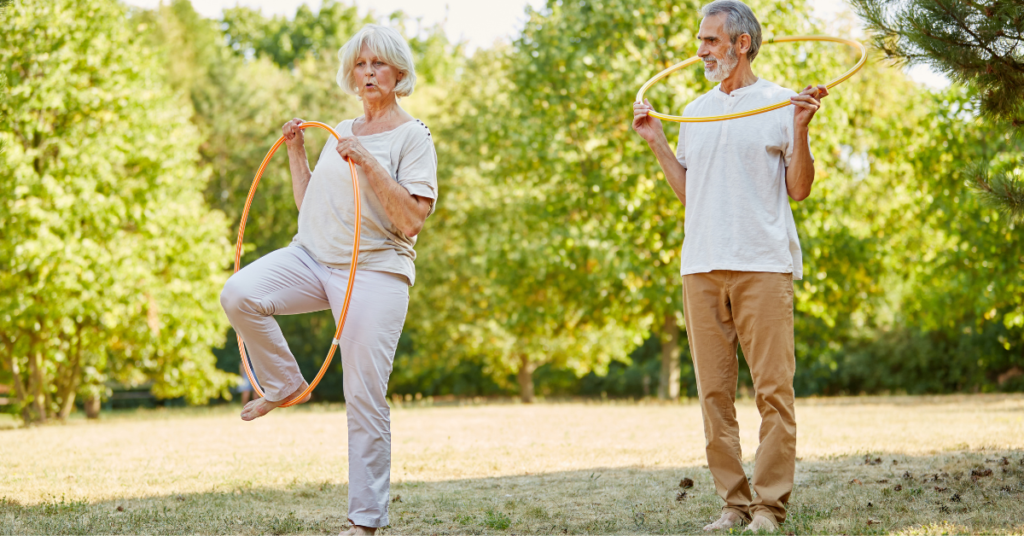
x=978, y=44
x=111, y=259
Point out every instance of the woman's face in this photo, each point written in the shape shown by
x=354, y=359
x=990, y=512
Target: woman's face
x=376, y=79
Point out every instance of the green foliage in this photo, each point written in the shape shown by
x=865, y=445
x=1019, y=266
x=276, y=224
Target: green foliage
x=1003, y=189
x=977, y=44
x=555, y=209
x=553, y=255
x=914, y=361
x=974, y=43
x=111, y=260
x=286, y=40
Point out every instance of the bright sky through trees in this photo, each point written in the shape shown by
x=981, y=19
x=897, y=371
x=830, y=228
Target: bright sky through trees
x=479, y=23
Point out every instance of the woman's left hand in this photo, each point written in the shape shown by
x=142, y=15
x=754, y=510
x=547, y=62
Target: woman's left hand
x=351, y=149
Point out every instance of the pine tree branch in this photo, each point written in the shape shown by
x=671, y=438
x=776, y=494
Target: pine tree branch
x=1004, y=190
x=974, y=43
x=978, y=41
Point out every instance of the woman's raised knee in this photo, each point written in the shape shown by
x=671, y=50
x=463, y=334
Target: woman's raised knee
x=232, y=296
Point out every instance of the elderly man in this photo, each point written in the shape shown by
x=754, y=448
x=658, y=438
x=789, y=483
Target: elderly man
x=740, y=255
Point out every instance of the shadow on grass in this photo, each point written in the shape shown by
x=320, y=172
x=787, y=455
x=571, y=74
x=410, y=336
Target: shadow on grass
x=977, y=492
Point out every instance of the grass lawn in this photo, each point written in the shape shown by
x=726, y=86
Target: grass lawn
x=906, y=465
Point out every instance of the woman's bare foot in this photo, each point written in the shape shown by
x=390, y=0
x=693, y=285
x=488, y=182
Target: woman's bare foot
x=261, y=406
x=357, y=530
x=728, y=520
x=762, y=524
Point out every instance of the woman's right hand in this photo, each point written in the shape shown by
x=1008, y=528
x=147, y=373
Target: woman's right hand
x=649, y=128
x=293, y=136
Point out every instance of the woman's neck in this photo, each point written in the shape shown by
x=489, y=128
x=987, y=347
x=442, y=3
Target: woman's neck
x=386, y=111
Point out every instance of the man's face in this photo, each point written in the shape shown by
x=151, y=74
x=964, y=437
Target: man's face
x=718, y=53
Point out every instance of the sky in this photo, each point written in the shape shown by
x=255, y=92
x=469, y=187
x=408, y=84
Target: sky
x=478, y=22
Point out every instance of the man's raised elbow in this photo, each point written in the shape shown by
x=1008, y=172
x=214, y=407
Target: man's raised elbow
x=799, y=193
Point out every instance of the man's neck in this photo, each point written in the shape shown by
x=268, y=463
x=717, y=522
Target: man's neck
x=742, y=76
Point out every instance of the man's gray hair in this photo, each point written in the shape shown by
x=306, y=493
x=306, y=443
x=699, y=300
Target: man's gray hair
x=739, y=20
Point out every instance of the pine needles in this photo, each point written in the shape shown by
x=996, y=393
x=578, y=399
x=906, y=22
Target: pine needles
x=979, y=44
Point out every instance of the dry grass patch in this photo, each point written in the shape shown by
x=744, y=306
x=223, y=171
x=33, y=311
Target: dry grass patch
x=878, y=465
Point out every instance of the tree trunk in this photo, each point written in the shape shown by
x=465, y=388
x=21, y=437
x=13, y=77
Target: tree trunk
x=19, y=387
x=525, y=379
x=37, y=385
x=92, y=407
x=67, y=386
x=668, y=388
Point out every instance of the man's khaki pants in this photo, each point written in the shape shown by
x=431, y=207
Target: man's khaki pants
x=755, y=309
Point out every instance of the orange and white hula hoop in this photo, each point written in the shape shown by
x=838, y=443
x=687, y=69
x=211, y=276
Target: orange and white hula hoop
x=351, y=271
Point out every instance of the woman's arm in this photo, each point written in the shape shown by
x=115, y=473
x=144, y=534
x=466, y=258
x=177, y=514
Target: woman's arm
x=405, y=210
x=298, y=164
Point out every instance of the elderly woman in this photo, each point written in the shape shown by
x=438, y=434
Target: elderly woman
x=397, y=166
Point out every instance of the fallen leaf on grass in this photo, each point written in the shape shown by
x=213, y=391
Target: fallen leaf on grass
x=897, y=487
x=882, y=481
x=686, y=483
x=682, y=496
x=868, y=460
x=857, y=481
x=120, y=508
x=940, y=489
x=981, y=472
x=955, y=498
x=179, y=497
x=398, y=498
x=907, y=475
x=874, y=521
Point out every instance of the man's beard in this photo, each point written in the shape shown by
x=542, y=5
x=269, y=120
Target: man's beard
x=724, y=67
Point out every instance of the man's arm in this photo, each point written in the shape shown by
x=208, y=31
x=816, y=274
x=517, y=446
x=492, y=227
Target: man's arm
x=649, y=128
x=800, y=172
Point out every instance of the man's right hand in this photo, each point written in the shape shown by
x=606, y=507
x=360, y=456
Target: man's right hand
x=649, y=128
x=293, y=136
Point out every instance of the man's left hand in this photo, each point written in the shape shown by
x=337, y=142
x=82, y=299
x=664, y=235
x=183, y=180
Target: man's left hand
x=807, y=103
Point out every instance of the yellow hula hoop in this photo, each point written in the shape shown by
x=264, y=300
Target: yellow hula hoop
x=786, y=39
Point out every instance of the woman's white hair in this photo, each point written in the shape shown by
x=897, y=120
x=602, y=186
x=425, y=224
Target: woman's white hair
x=389, y=46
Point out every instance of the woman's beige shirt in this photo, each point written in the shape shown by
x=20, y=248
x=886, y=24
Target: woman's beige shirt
x=327, y=218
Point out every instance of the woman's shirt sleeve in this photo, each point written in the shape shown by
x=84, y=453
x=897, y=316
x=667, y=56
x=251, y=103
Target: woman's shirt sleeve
x=417, y=165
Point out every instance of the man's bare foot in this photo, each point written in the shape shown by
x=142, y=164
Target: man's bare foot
x=357, y=530
x=261, y=406
x=762, y=524
x=728, y=520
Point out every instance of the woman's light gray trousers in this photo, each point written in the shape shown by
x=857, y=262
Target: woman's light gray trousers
x=287, y=282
